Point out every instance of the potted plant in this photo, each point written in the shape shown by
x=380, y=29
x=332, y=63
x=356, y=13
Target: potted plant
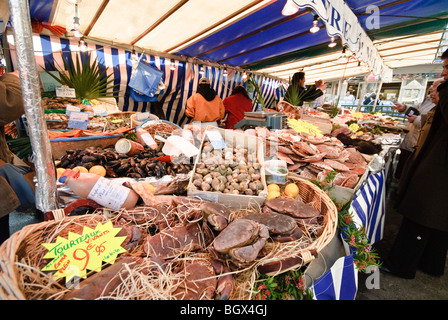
x=86, y=77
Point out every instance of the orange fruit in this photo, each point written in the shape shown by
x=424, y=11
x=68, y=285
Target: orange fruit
x=99, y=170
x=291, y=190
x=80, y=169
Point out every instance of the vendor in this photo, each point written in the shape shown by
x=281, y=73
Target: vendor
x=16, y=191
x=205, y=107
x=236, y=105
x=297, y=91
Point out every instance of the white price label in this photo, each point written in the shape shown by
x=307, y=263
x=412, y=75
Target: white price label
x=109, y=193
x=65, y=92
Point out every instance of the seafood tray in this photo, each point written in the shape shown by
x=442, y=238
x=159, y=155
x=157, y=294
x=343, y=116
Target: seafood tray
x=60, y=146
x=236, y=201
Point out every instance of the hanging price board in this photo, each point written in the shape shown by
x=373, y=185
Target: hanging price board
x=72, y=257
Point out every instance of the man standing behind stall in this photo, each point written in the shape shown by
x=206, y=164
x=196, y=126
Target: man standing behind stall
x=205, y=106
x=15, y=190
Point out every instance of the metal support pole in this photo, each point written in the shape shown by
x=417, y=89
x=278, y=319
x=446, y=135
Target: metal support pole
x=46, y=192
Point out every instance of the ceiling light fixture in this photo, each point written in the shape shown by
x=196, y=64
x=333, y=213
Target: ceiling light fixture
x=202, y=71
x=332, y=43
x=315, y=27
x=225, y=73
x=290, y=8
x=343, y=58
x=76, y=31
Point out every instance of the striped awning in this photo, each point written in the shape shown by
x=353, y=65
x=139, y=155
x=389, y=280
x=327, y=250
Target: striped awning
x=254, y=34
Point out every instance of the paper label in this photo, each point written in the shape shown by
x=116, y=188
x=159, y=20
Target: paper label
x=100, y=111
x=72, y=257
x=109, y=194
x=65, y=92
x=148, y=139
x=70, y=108
x=142, y=116
x=78, y=120
x=216, y=139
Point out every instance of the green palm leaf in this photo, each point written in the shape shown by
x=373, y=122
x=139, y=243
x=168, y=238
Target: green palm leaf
x=86, y=77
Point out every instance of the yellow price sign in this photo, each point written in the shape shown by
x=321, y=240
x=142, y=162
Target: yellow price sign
x=72, y=257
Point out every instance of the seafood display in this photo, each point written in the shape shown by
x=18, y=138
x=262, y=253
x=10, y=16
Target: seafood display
x=58, y=103
x=233, y=170
x=314, y=157
x=142, y=165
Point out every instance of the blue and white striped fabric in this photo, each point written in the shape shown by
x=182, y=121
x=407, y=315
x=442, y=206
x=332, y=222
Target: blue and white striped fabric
x=368, y=206
x=338, y=283
x=180, y=83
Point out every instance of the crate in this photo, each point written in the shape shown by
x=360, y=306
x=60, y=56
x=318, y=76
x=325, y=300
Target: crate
x=60, y=146
x=234, y=201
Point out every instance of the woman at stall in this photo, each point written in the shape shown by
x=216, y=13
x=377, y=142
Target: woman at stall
x=236, y=105
x=205, y=106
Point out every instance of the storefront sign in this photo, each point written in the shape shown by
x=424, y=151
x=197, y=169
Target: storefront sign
x=340, y=21
x=72, y=257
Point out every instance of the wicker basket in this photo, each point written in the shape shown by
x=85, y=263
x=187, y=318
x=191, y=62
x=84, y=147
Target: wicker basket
x=22, y=251
x=23, y=248
x=293, y=255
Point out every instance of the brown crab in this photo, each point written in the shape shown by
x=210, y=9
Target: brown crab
x=174, y=241
x=204, y=279
x=282, y=228
x=293, y=207
x=242, y=240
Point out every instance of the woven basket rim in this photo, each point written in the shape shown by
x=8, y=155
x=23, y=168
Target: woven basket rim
x=9, y=284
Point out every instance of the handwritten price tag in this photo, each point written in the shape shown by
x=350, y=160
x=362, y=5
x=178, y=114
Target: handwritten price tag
x=72, y=257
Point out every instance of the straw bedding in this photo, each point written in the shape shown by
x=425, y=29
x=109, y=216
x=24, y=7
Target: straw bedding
x=22, y=256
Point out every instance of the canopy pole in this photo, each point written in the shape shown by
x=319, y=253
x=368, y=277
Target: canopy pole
x=29, y=81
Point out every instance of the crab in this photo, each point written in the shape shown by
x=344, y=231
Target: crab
x=216, y=214
x=282, y=228
x=172, y=242
x=242, y=240
x=293, y=207
x=203, y=279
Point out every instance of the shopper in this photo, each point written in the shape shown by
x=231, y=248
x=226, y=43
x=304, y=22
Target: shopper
x=205, y=106
x=236, y=105
x=297, y=92
x=422, y=241
x=16, y=192
x=416, y=116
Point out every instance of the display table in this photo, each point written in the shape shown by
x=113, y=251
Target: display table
x=334, y=275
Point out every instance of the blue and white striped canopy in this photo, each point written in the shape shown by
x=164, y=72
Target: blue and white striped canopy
x=240, y=35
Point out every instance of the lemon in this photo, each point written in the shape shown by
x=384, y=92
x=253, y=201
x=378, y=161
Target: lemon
x=273, y=187
x=291, y=190
x=59, y=172
x=99, y=170
x=80, y=169
x=273, y=194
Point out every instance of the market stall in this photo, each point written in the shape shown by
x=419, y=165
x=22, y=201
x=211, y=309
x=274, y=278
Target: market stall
x=167, y=205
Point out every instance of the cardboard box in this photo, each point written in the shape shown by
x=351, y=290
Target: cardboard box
x=234, y=201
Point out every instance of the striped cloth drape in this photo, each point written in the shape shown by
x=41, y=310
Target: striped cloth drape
x=369, y=206
x=180, y=83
